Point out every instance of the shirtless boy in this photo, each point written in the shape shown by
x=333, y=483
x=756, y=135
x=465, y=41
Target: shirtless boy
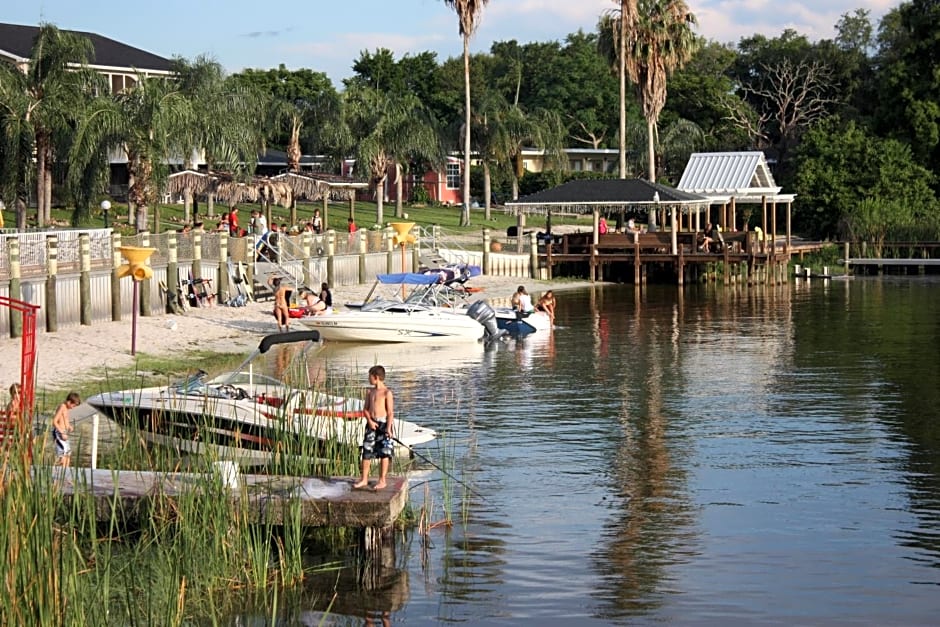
x=380, y=416
x=61, y=427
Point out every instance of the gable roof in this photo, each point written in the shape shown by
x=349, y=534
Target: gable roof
x=586, y=195
x=16, y=42
x=742, y=175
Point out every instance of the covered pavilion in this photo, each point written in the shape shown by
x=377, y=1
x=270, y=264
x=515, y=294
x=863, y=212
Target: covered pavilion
x=732, y=178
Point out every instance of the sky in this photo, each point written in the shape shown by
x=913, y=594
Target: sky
x=328, y=35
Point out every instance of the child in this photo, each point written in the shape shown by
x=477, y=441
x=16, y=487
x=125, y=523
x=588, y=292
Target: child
x=281, y=308
x=61, y=427
x=380, y=416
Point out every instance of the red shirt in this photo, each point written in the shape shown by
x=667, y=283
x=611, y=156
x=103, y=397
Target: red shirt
x=352, y=227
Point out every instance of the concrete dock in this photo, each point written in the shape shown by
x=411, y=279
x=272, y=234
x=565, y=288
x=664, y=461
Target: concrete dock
x=323, y=502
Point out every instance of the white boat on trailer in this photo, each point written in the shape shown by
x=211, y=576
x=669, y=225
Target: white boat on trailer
x=245, y=417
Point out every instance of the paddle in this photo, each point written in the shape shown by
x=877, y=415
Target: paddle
x=426, y=460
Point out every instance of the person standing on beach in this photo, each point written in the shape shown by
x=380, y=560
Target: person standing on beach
x=378, y=442
x=281, y=308
x=61, y=428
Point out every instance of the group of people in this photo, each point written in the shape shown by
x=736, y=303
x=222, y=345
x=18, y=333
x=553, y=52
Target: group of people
x=61, y=425
x=522, y=303
x=313, y=304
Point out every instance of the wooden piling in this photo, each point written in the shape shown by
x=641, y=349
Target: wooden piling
x=52, y=267
x=84, y=279
x=16, y=287
x=145, y=299
x=115, y=281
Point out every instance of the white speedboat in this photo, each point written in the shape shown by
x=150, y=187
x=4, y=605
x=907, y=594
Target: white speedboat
x=246, y=417
x=408, y=319
x=516, y=323
x=397, y=324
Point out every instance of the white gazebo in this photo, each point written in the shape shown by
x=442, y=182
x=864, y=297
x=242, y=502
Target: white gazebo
x=731, y=178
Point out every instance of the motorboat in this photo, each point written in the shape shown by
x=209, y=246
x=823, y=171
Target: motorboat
x=246, y=417
x=406, y=319
x=519, y=323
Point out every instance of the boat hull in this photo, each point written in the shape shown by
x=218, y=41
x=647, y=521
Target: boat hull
x=249, y=428
x=426, y=326
x=508, y=320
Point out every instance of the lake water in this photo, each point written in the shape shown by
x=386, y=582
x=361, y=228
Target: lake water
x=700, y=456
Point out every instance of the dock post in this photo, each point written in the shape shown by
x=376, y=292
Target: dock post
x=222, y=282
x=331, y=257
x=144, y=284
x=845, y=255
x=116, y=281
x=172, y=273
x=387, y=234
x=486, y=251
x=306, y=244
x=16, y=288
x=533, y=256
x=84, y=279
x=363, y=250
x=52, y=315
x=197, y=256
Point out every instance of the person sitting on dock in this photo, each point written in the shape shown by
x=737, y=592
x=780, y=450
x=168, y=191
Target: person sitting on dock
x=378, y=442
x=705, y=245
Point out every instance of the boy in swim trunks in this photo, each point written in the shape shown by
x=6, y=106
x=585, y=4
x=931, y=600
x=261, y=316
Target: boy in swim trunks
x=61, y=427
x=378, y=441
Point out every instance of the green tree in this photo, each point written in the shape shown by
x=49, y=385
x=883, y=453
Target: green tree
x=150, y=121
x=226, y=121
x=617, y=37
x=702, y=91
x=908, y=83
x=840, y=164
x=39, y=105
x=468, y=13
x=304, y=110
x=388, y=129
x=664, y=41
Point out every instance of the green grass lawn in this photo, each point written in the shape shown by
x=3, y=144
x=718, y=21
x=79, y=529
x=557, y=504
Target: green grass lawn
x=448, y=218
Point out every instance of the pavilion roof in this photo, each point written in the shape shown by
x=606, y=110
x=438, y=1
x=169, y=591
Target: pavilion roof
x=588, y=195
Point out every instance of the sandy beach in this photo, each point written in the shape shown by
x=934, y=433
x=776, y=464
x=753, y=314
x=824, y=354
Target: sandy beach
x=75, y=353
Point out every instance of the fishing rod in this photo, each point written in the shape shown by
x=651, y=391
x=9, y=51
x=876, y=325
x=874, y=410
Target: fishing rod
x=428, y=461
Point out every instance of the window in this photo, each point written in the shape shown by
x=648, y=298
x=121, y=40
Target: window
x=453, y=176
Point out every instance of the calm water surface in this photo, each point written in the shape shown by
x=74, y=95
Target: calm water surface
x=707, y=456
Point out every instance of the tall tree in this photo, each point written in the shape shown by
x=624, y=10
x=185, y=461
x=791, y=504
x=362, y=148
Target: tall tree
x=664, y=41
x=226, y=122
x=150, y=121
x=388, y=129
x=46, y=99
x=468, y=14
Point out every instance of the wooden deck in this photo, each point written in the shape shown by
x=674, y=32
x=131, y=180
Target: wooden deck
x=328, y=502
x=743, y=256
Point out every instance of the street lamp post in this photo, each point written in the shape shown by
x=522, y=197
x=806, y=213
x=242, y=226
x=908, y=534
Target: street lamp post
x=105, y=207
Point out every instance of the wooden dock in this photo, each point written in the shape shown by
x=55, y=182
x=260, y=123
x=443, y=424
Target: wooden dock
x=323, y=502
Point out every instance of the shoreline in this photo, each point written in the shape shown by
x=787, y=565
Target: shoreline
x=76, y=352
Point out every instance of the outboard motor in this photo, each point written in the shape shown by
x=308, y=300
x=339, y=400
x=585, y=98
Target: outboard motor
x=481, y=311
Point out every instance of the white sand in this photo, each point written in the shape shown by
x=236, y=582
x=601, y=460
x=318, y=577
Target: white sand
x=75, y=353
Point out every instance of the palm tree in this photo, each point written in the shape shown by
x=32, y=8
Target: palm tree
x=226, y=121
x=468, y=13
x=150, y=122
x=664, y=41
x=388, y=129
x=39, y=105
